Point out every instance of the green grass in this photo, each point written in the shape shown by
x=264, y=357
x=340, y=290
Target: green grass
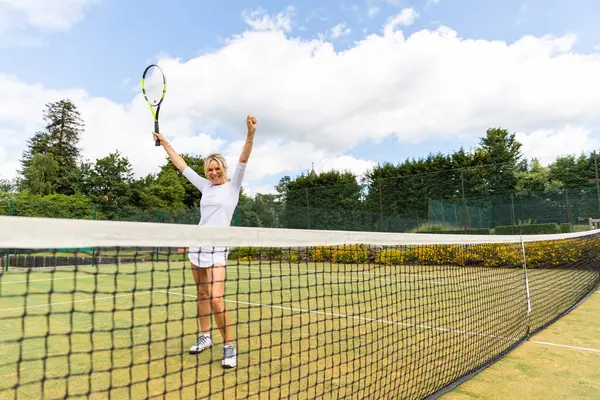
x=537, y=370
x=301, y=330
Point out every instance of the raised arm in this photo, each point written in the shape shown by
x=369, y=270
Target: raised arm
x=176, y=159
x=198, y=181
x=251, y=123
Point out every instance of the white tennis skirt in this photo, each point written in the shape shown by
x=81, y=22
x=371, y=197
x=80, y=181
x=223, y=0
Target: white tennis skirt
x=206, y=257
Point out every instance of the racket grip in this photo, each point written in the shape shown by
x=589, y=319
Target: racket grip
x=157, y=143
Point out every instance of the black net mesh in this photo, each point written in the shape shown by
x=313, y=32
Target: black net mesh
x=334, y=321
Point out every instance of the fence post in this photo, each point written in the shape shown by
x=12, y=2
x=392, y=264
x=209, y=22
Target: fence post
x=307, y=209
x=466, y=222
x=236, y=217
x=380, y=207
x=569, y=215
x=93, y=248
x=6, y=253
x=512, y=209
x=597, y=180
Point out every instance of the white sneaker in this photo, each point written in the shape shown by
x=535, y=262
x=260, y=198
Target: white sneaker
x=204, y=342
x=229, y=357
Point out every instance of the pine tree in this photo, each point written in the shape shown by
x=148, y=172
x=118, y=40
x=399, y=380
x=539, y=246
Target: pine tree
x=38, y=144
x=60, y=138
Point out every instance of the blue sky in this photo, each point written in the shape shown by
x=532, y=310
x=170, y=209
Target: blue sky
x=105, y=50
x=116, y=37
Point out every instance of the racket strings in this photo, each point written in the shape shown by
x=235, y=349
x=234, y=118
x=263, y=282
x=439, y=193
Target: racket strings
x=154, y=86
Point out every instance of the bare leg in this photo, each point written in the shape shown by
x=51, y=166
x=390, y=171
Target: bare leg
x=203, y=279
x=218, y=304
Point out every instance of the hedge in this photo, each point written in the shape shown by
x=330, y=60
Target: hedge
x=528, y=229
x=543, y=254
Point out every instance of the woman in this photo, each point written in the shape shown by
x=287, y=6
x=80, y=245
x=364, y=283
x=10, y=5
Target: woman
x=219, y=200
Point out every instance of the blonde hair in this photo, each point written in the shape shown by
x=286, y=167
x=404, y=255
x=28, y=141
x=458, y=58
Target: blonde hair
x=219, y=159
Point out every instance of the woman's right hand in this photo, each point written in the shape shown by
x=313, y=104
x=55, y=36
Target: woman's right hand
x=161, y=138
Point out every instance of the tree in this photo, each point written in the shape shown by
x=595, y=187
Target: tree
x=60, y=138
x=572, y=171
x=502, y=154
x=37, y=144
x=535, y=180
x=41, y=174
x=268, y=210
x=245, y=214
x=64, y=126
x=7, y=186
x=328, y=200
x=399, y=195
x=109, y=178
x=192, y=195
x=164, y=191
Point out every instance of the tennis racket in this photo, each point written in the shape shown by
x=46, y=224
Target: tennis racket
x=154, y=87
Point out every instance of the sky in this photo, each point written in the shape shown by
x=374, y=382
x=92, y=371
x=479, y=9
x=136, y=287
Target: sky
x=341, y=84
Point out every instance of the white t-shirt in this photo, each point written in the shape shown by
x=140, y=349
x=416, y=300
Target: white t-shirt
x=218, y=202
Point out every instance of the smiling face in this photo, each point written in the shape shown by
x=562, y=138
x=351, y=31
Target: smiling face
x=215, y=170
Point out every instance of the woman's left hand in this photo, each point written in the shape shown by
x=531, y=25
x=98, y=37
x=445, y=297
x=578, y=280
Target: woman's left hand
x=251, y=123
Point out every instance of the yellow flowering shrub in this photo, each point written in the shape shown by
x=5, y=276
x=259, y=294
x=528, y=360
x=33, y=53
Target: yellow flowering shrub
x=555, y=253
x=539, y=254
x=320, y=253
x=353, y=254
x=392, y=257
x=339, y=254
x=543, y=254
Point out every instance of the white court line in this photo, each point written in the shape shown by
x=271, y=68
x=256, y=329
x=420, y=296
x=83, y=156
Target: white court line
x=566, y=346
x=51, y=279
x=381, y=277
x=74, y=301
x=383, y=321
x=330, y=314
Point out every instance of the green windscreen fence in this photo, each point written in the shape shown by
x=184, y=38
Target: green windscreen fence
x=459, y=214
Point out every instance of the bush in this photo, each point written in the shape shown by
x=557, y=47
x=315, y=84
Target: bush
x=340, y=254
x=50, y=206
x=544, y=254
x=566, y=228
x=528, y=229
x=447, y=229
x=353, y=254
x=255, y=253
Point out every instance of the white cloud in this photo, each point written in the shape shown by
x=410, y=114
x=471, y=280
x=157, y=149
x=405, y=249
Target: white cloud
x=372, y=11
x=252, y=191
x=17, y=16
x=522, y=14
x=259, y=20
x=316, y=104
x=340, y=30
x=345, y=163
x=405, y=17
x=547, y=144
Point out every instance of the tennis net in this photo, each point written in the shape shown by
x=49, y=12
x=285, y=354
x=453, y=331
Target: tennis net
x=111, y=309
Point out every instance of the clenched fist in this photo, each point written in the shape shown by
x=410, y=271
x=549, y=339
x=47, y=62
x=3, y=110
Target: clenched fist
x=251, y=122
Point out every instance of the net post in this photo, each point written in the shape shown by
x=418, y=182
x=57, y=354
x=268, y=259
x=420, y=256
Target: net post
x=526, y=276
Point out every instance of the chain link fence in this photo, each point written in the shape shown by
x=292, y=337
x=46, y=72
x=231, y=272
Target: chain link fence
x=448, y=202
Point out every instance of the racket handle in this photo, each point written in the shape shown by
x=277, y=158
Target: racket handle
x=157, y=143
